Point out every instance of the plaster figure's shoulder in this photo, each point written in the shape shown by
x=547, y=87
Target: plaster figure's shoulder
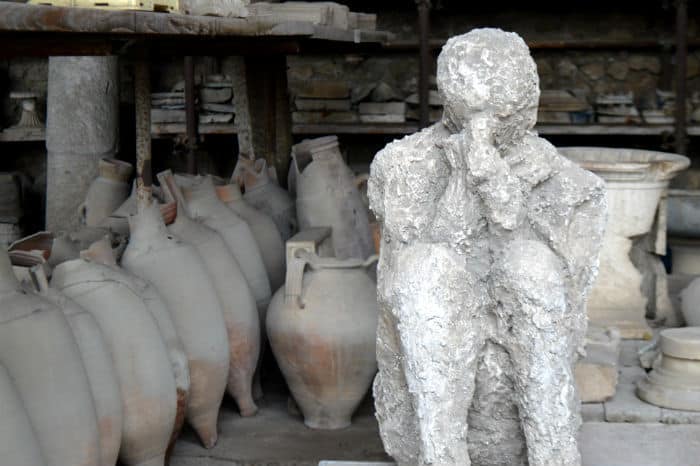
x=407, y=178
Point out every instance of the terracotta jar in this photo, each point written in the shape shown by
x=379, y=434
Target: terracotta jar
x=107, y=192
x=101, y=252
x=180, y=276
x=19, y=446
x=204, y=205
x=237, y=302
x=322, y=329
x=327, y=195
x=265, y=232
x=264, y=194
x=635, y=182
x=146, y=382
x=99, y=366
x=43, y=360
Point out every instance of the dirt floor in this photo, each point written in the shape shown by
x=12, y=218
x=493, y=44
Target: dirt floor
x=274, y=437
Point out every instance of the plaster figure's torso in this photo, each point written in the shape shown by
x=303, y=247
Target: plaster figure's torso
x=422, y=201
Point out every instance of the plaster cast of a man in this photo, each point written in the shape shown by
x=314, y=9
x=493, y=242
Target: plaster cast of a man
x=488, y=235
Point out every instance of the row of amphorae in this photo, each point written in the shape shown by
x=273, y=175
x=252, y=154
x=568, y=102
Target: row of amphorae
x=113, y=336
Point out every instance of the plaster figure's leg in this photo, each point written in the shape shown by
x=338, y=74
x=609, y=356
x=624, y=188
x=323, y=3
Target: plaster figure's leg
x=393, y=402
x=534, y=322
x=438, y=305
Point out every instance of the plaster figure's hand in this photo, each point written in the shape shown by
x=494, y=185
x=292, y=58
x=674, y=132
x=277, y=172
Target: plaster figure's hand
x=456, y=147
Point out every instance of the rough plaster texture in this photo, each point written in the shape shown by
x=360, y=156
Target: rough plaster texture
x=82, y=126
x=489, y=247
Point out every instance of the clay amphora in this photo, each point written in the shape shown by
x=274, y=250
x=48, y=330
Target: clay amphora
x=180, y=276
x=40, y=354
x=100, y=369
x=266, y=234
x=237, y=302
x=101, y=252
x=322, y=329
x=140, y=357
x=19, y=446
x=264, y=194
x=107, y=191
x=204, y=206
x=327, y=195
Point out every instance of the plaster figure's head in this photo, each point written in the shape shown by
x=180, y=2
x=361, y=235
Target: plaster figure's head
x=488, y=71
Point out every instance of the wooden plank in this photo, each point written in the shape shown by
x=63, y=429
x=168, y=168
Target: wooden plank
x=170, y=129
x=604, y=130
x=18, y=17
x=23, y=134
x=388, y=129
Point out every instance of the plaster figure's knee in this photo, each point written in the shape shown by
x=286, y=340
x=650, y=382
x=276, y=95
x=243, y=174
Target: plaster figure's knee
x=528, y=279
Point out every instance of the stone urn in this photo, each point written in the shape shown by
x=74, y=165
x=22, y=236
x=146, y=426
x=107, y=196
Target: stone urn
x=263, y=193
x=107, y=192
x=179, y=274
x=146, y=381
x=322, y=329
x=265, y=232
x=636, y=181
x=41, y=356
x=327, y=195
x=19, y=444
x=237, y=302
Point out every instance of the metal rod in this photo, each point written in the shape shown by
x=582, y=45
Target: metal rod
x=424, y=62
x=191, y=115
x=681, y=67
x=142, y=98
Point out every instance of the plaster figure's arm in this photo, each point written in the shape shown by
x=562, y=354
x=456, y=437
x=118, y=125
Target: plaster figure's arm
x=498, y=188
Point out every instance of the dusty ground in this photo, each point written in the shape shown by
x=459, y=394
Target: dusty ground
x=276, y=438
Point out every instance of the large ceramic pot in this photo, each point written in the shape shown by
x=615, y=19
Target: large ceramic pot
x=101, y=252
x=107, y=192
x=205, y=206
x=40, y=354
x=147, y=385
x=327, y=195
x=181, y=278
x=99, y=366
x=237, y=302
x=263, y=193
x=19, y=446
x=635, y=181
x=265, y=232
x=322, y=329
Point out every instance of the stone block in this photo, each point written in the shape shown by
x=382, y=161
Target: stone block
x=382, y=118
x=677, y=416
x=324, y=117
x=627, y=407
x=326, y=105
x=324, y=90
x=596, y=374
x=629, y=352
x=608, y=444
x=593, y=412
x=383, y=108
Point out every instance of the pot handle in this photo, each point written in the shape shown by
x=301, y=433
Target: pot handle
x=295, y=279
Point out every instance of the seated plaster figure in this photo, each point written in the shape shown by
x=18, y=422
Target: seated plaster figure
x=489, y=236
